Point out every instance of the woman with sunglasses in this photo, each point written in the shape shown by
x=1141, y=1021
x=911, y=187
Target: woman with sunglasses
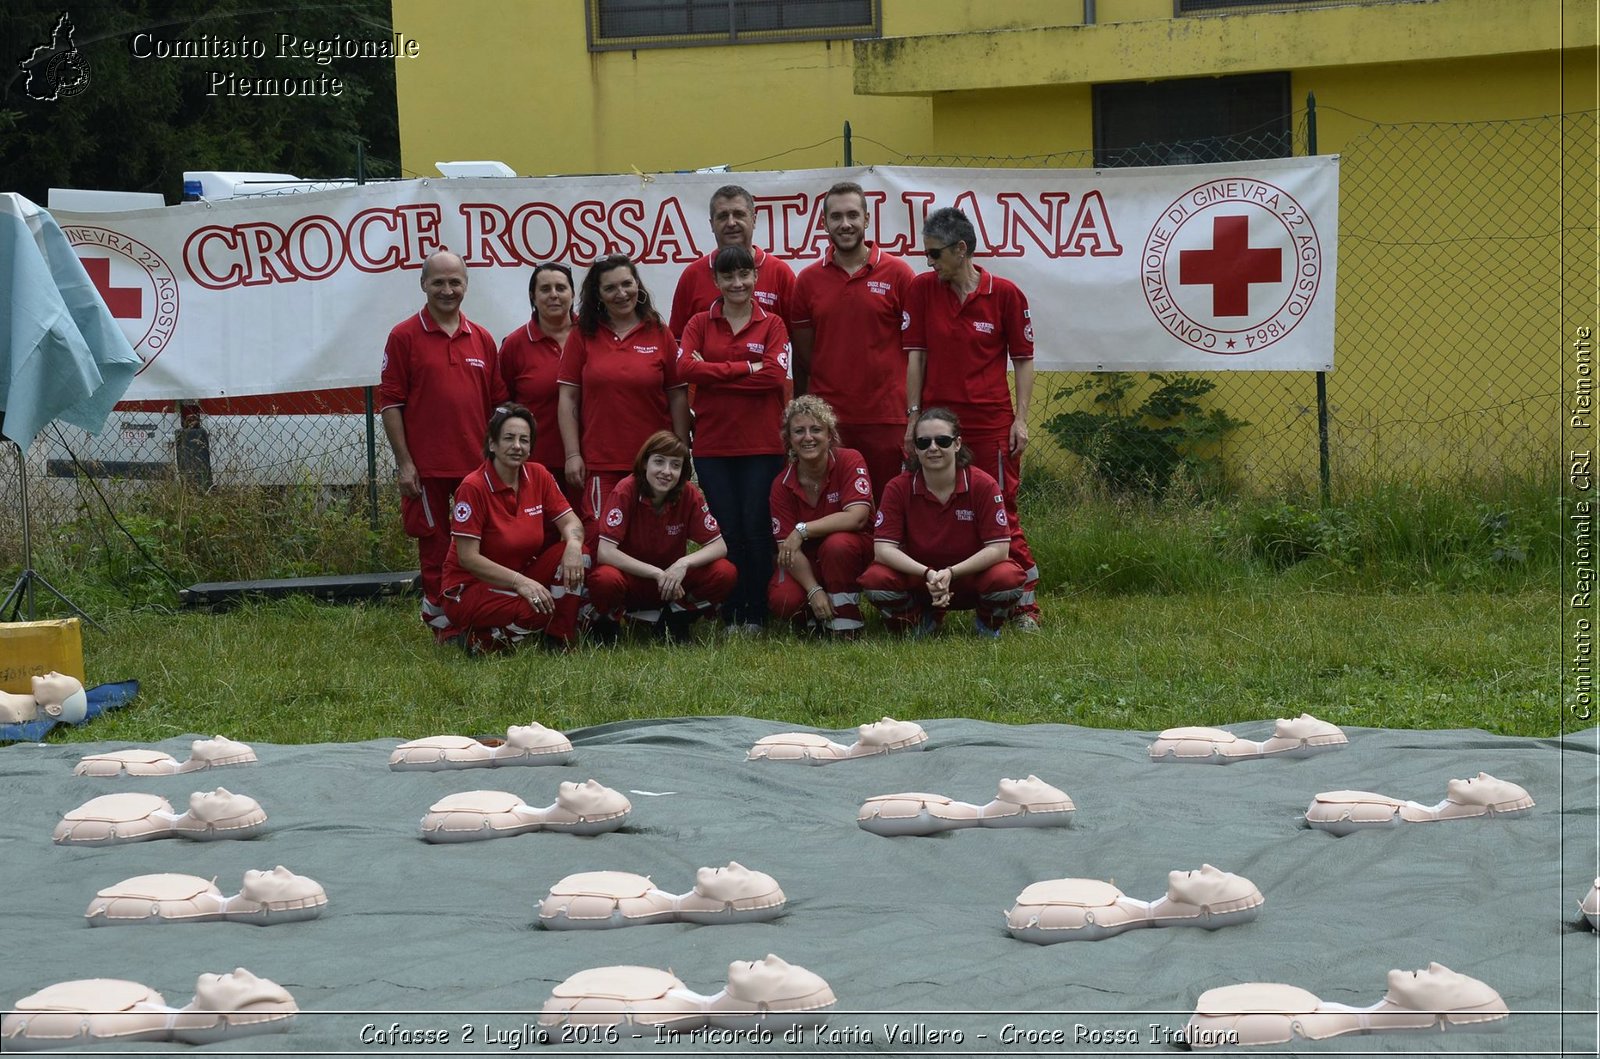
x=942, y=540
x=503, y=578
x=619, y=381
x=962, y=324
x=821, y=505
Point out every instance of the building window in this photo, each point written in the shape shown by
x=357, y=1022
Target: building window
x=626, y=24
x=1199, y=119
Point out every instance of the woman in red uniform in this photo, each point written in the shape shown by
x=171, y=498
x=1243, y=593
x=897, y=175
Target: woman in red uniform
x=501, y=581
x=642, y=562
x=942, y=540
x=821, y=505
x=737, y=356
x=619, y=381
x=530, y=355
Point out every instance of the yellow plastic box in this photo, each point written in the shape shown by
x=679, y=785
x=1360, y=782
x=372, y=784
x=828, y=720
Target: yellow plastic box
x=28, y=648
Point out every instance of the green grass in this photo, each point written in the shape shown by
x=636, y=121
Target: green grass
x=296, y=671
x=1401, y=605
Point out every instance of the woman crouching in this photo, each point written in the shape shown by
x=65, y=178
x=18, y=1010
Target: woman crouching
x=643, y=567
x=942, y=540
x=501, y=582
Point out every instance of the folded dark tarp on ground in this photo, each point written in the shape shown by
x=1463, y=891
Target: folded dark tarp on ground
x=908, y=931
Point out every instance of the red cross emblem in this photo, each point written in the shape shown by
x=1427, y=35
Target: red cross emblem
x=1230, y=266
x=125, y=303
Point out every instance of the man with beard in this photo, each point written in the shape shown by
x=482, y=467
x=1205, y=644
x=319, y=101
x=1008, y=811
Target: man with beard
x=847, y=317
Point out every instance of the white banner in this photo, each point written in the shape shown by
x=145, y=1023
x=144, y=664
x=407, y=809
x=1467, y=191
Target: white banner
x=1197, y=268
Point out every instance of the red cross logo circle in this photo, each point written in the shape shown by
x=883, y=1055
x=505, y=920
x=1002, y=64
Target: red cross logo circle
x=138, y=287
x=1231, y=266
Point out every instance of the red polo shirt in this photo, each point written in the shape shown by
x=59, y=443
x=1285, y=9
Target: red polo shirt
x=623, y=383
x=940, y=535
x=528, y=362
x=857, y=362
x=847, y=485
x=697, y=287
x=510, y=524
x=736, y=413
x=447, y=386
x=967, y=344
x=658, y=538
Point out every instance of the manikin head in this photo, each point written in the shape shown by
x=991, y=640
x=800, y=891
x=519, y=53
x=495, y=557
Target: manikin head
x=771, y=979
x=733, y=882
x=61, y=696
x=1436, y=988
x=590, y=796
x=1030, y=791
x=1202, y=887
x=279, y=884
x=236, y=991
x=887, y=730
x=216, y=748
x=220, y=805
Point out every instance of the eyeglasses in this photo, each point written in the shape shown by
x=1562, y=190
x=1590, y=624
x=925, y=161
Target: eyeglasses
x=935, y=252
x=944, y=441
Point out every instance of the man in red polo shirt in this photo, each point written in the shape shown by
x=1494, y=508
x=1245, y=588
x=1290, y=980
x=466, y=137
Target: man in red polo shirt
x=733, y=223
x=961, y=325
x=440, y=384
x=845, y=323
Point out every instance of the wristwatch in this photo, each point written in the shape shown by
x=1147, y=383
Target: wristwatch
x=800, y=528
x=912, y=410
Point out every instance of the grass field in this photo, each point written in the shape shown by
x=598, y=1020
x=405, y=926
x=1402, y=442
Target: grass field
x=1401, y=606
x=296, y=671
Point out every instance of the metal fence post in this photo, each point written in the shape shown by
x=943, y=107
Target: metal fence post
x=1324, y=473
x=848, y=153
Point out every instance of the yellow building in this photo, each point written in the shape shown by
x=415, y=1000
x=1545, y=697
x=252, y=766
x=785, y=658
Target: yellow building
x=1446, y=112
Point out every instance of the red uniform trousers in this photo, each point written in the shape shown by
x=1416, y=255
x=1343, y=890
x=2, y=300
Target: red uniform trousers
x=838, y=561
x=994, y=455
x=883, y=447
x=427, y=518
x=613, y=593
x=903, y=599
x=494, y=618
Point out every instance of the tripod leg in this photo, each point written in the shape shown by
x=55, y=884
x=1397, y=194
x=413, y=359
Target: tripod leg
x=56, y=592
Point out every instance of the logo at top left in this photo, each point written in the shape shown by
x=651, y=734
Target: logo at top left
x=138, y=287
x=57, y=70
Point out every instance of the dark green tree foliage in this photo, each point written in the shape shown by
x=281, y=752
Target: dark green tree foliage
x=137, y=124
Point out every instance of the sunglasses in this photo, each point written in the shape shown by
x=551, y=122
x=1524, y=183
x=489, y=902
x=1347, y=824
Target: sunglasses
x=944, y=441
x=935, y=252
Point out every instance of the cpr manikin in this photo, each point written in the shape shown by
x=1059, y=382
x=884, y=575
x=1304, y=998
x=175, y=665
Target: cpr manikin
x=203, y=754
x=1590, y=905
x=54, y=695
x=757, y=991
x=102, y=1010
x=581, y=809
x=1019, y=803
x=597, y=900
x=1267, y=1013
x=114, y=818
x=1301, y=736
x=267, y=897
x=1088, y=909
x=531, y=744
x=879, y=737
x=1341, y=812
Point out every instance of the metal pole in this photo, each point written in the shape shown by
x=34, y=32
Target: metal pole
x=848, y=153
x=1324, y=471
x=366, y=396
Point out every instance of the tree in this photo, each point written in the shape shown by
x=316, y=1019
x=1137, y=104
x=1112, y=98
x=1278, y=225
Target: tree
x=140, y=115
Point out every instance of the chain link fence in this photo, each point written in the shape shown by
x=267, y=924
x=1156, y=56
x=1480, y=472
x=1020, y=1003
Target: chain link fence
x=1452, y=271
x=1454, y=264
